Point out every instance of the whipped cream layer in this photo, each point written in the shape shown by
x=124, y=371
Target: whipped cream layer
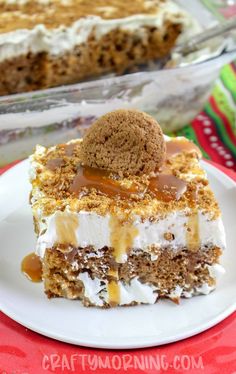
x=62, y=39
x=91, y=229
x=96, y=290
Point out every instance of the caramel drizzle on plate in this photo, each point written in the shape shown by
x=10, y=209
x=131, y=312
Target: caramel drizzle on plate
x=31, y=267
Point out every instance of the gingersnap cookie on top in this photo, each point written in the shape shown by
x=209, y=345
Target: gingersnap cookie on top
x=124, y=141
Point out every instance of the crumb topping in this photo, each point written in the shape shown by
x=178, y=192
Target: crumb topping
x=53, y=13
x=53, y=180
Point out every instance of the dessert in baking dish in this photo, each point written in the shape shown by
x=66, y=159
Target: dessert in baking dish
x=125, y=216
x=46, y=43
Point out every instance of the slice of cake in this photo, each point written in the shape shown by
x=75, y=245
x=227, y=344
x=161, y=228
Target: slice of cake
x=125, y=216
x=46, y=43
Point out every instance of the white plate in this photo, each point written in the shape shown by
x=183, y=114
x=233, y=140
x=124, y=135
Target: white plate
x=124, y=327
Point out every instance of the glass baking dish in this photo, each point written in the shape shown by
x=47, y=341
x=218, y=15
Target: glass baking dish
x=173, y=97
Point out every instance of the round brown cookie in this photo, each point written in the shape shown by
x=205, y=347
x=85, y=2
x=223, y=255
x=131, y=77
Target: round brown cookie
x=128, y=142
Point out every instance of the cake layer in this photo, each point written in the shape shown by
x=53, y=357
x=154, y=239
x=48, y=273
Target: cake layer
x=90, y=275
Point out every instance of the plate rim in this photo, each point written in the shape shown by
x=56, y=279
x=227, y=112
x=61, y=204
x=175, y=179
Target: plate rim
x=150, y=342
x=97, y=343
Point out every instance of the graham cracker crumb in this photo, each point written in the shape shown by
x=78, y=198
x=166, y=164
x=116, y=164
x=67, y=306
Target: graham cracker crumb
x=127, y=142
x=169, y=236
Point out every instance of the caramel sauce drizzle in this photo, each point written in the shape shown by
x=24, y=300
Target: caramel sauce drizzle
x=121, y=237
x=192, y=234
x=54, y=163
x=164, y=186
x=113, y=288
x=101, y=181
x=176, y=146
x=66, y=225
x=31, y=267
x=167, y=187
x=69, y=149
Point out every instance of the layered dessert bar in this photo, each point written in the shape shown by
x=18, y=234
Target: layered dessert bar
x=125, y=216
x=46, y=43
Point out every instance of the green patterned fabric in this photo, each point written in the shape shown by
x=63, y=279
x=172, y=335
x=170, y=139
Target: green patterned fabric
x=214, y=129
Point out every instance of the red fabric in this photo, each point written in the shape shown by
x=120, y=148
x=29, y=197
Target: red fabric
x=227, y=124
x=227, y=171
x=229, y=12
x=204, y=141
x=207, y=137
x=23, y=351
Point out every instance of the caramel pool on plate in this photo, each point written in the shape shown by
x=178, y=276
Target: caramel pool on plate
x=31, y=266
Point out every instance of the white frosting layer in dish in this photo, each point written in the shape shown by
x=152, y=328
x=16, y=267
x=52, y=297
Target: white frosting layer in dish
x=96, y=290
x=94, y=230
x=62, y=39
